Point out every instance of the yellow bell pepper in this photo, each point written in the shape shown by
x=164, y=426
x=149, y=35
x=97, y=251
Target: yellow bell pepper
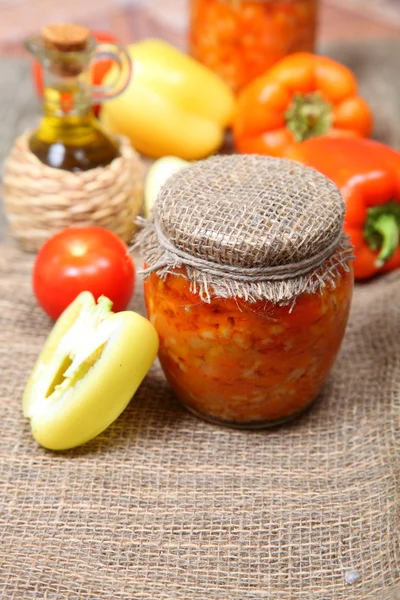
x=173, y=104
x=90, y=367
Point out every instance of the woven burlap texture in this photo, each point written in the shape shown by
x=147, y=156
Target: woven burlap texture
x=253, y=227
x=163, y=505
x=40, y=201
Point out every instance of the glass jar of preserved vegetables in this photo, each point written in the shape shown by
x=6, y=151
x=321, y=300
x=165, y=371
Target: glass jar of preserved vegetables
x=248, y=283
x=241, y=39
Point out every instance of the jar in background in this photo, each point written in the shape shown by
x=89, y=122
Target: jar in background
x=241, y=39
x=249, y=284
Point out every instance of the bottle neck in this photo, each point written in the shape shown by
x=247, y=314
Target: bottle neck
x=67, y=97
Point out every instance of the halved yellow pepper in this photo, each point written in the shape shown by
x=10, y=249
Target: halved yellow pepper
x=91, y=365
x=173, y=104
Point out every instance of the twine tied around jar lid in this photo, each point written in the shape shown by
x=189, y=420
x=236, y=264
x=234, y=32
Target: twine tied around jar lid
x=248, y=226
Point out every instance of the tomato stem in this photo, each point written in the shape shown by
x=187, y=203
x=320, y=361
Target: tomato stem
x=308, y=115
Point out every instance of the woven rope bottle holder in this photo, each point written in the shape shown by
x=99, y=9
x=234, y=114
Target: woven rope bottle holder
x=40, y=200
x=252, y=227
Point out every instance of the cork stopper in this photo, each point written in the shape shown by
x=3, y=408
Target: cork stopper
x=65, y=37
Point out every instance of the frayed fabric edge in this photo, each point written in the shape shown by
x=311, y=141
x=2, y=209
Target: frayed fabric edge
x=208, y=286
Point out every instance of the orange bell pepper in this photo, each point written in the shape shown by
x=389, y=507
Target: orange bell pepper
x=368, y=175
x=302, y=96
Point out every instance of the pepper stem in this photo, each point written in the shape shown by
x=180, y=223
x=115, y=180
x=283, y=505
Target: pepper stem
x=308, y=115
x=388, y=228
x=382, y=231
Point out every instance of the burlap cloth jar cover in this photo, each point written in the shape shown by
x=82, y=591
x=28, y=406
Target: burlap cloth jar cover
x=40, y=200
x=252, y=227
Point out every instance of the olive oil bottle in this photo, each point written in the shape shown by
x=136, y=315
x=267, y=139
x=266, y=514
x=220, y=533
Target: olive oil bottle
x=69, y=136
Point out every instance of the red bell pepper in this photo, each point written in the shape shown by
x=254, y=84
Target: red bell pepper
x=368, y=175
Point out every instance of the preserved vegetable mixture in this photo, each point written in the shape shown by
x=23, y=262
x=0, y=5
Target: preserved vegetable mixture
x=247, y=363
x=241, y=39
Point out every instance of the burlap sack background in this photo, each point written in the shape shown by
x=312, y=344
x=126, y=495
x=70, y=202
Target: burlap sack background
x=164, y=506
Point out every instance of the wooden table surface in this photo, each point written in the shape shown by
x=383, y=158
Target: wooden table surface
x=133, y=19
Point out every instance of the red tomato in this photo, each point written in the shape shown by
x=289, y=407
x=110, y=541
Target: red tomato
x=100, y=67
x=82, y=259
